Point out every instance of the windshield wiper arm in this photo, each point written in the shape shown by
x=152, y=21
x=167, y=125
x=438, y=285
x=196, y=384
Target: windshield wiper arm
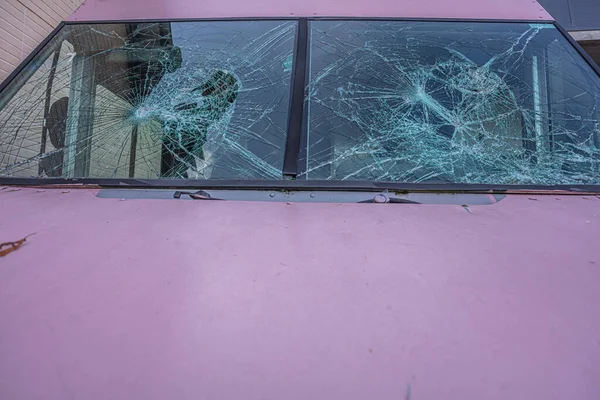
x=384, y=198
x=199, y=195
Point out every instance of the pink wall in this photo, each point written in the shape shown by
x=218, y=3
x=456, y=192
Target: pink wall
x=177, y=299
x=169, y=9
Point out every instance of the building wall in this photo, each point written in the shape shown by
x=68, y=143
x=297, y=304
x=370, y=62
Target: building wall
x=24, y=24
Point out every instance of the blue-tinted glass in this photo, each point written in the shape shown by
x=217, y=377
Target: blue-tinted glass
x=205, y=100
x=496, y=103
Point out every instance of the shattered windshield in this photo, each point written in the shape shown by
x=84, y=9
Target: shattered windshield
x=496, y=103
x=389, y=101
x=184, y=100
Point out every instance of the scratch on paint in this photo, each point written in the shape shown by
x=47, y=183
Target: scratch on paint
x=466, y=207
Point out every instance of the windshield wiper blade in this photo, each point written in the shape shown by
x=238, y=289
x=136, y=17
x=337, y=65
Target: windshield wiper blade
x=383, y=198
x=199, y=195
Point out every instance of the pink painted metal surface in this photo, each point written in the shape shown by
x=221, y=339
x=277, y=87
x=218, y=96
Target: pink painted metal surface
x=170, y=9
x=167, y=299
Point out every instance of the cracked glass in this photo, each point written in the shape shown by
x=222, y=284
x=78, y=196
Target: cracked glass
x=420, y=102
x=185, y=100
x=390, y=101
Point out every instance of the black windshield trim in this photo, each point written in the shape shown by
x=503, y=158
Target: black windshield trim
x=297, y=96
x=309, y=18
x=298, y=185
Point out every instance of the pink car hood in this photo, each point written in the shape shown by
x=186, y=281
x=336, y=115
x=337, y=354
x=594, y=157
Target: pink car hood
x=165, y=299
